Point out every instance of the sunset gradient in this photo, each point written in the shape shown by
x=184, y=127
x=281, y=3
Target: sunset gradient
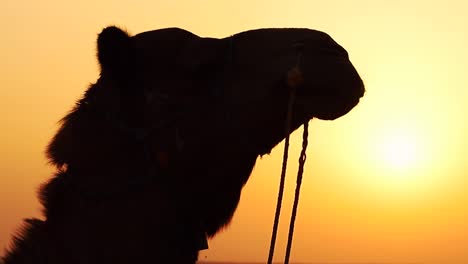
x=385, y=183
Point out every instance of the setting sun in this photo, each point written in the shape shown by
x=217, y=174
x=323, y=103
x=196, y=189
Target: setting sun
x=400, y=151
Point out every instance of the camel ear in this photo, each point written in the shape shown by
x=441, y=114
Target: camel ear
x=115, y=50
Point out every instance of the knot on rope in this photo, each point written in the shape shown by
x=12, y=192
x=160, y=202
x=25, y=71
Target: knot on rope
x=294, y=77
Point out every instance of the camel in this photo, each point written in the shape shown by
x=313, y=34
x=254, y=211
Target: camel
x=152, y=159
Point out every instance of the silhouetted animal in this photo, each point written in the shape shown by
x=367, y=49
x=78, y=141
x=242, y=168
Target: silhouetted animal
x=154, y=156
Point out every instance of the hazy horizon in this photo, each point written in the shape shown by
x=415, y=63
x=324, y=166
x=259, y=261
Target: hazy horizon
x=226, y=262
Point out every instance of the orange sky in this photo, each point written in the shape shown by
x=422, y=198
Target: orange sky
x=385, y=183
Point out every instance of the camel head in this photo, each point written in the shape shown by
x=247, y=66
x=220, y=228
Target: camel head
x=238, y=86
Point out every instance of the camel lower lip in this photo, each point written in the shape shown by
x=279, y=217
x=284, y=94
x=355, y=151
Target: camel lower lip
x=326, y=107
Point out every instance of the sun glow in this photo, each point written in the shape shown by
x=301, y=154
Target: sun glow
x=400, y=151
x=401, y=166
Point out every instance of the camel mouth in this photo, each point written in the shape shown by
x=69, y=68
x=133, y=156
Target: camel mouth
x=332, y=104
x=339, y=108
x=326, y=107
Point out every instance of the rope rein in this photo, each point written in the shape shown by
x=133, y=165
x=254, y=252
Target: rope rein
x=300, y=172
x=294, y=79
x=283, y=176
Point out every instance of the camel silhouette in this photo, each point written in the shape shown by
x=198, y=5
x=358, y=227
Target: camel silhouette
x=152, y=160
